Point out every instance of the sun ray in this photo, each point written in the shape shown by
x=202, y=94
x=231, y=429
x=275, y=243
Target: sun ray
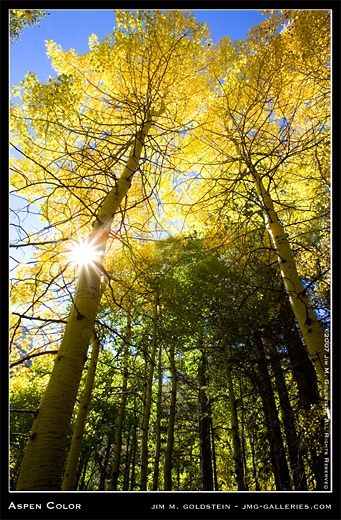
x=84, y=254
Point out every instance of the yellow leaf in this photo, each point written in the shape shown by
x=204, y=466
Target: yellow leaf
x=18, y=12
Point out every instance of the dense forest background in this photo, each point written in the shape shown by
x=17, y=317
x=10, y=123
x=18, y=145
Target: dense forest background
x=170, y=330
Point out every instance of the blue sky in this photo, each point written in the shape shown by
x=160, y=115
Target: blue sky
x=72, y=28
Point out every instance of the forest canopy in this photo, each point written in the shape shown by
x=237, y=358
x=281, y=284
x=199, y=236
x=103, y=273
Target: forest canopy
x=170, y=328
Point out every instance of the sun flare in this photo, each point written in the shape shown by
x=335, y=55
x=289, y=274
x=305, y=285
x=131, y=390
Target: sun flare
x=83, y=254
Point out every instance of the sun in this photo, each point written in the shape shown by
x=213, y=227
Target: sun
x=84, y=254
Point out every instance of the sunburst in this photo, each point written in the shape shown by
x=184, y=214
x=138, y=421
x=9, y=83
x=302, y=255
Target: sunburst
x=84, y=254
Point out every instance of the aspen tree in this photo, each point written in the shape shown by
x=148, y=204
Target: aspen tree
x=109, y=100
x=171, y=422
x=119, y=424
x=147, y=403
x=78, y=431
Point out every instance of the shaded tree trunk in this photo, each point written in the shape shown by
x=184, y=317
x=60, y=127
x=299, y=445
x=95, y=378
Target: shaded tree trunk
x=237, y=449
x=85, y=466
x=104, y=467
x=127, y=460
x=133, y=449
x=242, y=408
x=121, y=411
x=295, y=455
x=253, y=459
x=306, y=379
x=171, y=422
x=78, y=431
x=147, y=404
x=278, y=458
x=214, y=456
x=157, y=426
x=204, y=428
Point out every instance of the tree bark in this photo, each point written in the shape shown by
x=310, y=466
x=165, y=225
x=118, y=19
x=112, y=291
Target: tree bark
x=278, y=458
x=43, y=459
x=308, y=392
x=204, y=428
x=310, y=327
x=148, y=404
x=104, y=466
x=237, y=449
x=214, y=456
x=293, y=443
x=133, y=449
x=121, y=411
x=171, y=422
x=157, y=427
x=78, y=431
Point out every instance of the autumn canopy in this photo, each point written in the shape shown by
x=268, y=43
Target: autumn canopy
x=170, y=329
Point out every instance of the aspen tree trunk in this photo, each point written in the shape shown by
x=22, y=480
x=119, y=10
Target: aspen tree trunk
x=133, y=449
x=308, y=393
x=127, y=460
x=295, y=455
x=79, y=471
x=278, y=458
x=204, y=428
x=171, y=422
x=237, y=449
x=242, y=409
x=301, y=365
x=43, y=459
x=147, y=405
x=214, y=455
x=121, y=411
x=78, y=431
x=310, y=327
x=158, y=421
x=253, y=458
x=104, y=466
x=85, y=466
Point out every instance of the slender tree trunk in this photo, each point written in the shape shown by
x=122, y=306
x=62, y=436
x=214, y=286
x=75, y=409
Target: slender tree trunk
x=214, y=456
x=295, y=455
x=310, y=327
x=43, y=460
x=133, y=449
x=127, y=461
x=253, y=459
x=85, y=466
x=79, y=472
x=308, y=392
x=157, y=427
x=104, y=468
x=78, y=431
x=171, y=422
x=301, y=365
x=278, y=458
x=204, y=428
x=121, y=411
x=147, y=405
x=242, y=408
x=237, y=449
